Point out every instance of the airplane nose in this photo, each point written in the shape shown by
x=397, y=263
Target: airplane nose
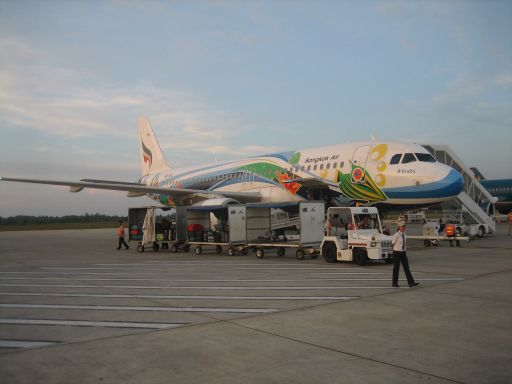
x=452, y=184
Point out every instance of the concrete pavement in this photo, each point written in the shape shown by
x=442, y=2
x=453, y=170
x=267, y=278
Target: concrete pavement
x=122, y=316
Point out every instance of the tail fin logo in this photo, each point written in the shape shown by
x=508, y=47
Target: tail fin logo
x=147, y=155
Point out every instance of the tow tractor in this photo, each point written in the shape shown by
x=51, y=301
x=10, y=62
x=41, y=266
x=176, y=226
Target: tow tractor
x=355, y=234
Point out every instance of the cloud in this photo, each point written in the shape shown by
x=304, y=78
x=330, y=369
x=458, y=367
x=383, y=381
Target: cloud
x=34, y=95
x=466, y=86
x=408, y=9
x=504, y=80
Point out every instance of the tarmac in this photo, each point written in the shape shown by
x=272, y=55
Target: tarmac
x=73, y=309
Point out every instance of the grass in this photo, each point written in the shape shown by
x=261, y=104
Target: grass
x=55, y=226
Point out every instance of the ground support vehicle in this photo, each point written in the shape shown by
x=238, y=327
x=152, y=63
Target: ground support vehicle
x=355, y=234
x=432, y=235
x=307, y=238
x=217, y=227
x=478, y=230
x=166, y=232
x=412, y=217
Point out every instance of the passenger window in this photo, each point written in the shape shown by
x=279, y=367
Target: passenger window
x=335, y=165
x=321, y=166
x=395, y=159
x=328, y=166
x=314, y=168
x=309, y=167
x=342, y=164
x=425, y=157
x=408, y=158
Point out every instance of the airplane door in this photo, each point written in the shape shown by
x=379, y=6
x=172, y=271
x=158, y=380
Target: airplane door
x=359, y=159
x=361, y=155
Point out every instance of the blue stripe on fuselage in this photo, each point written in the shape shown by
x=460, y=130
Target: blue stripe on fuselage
x=451, y=185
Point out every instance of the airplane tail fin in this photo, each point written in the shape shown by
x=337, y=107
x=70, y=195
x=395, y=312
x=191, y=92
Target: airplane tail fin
x=151, y=156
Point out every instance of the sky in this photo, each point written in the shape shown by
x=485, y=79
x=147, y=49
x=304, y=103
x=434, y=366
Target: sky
x=223, y=80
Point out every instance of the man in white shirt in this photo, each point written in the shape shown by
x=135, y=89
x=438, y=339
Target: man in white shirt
x=399, y=241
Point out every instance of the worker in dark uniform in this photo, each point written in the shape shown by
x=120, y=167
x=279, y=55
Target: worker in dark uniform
x=120, y=235
x=399, y=241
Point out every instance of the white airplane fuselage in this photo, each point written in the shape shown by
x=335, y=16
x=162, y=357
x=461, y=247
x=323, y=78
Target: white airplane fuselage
x=384, y=173
x=390, y=172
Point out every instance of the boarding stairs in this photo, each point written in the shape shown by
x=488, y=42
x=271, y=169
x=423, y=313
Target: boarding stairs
x=288, y=223
x=474, y=195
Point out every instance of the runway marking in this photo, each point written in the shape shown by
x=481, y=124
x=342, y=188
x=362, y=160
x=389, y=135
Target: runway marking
x=185, y=263
x=84, y=323
x=230, y=280
x=234, y=288
x=363, y=273
x=129, y=308
x=171, y=269
x=25, y=343
x=164, y=271
x=297, y=268
x=123, y=296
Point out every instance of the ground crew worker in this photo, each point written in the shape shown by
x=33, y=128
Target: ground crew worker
x=509, y=219
x=399, y=241
x=120, y=235
x=328, y=226
x=449, y=231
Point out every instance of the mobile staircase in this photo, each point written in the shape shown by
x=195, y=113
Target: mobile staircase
x=473, y=197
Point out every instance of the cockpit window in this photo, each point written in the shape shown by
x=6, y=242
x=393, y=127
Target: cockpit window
x=408, y=158
x=425, y=157
x=395, y=159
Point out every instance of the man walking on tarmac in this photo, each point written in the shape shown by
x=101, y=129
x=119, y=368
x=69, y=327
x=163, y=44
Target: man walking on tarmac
x=398, y=241
x=120, y=234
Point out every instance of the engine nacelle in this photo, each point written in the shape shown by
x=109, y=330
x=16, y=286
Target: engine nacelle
x=223, y=201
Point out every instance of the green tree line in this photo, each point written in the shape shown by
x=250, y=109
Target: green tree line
x=86, y=218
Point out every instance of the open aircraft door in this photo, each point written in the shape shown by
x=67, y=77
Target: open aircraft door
x=361, y=155
x=359, y=160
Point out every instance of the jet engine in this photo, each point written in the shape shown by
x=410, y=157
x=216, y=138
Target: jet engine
x=223, y=201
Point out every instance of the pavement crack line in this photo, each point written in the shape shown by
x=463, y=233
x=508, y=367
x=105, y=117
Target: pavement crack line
x=469, y=297
x=343, y=352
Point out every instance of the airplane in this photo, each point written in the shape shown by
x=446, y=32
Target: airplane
x=382, y=173
x=499, y=188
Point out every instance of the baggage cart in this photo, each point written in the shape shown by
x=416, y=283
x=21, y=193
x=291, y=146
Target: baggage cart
x=166, y=232
x=217, y=227
x=306, y=240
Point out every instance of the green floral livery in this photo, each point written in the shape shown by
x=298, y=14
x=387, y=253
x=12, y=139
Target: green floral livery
x=266, y=170
x=364, y=190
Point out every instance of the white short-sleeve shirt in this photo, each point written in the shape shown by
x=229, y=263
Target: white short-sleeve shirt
x=399, y=241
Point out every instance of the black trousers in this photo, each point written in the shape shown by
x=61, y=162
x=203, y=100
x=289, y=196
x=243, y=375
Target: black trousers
x=401, y=257
x=122, y=242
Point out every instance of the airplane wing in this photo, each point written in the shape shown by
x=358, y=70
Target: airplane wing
x=309, y=182
x=135, y=189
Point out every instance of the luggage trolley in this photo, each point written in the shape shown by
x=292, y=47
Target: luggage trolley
x=166, y=232
x=261, y=236
x=218, y=227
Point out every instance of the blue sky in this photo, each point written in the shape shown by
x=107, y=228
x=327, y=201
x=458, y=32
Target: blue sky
x=224, y=79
